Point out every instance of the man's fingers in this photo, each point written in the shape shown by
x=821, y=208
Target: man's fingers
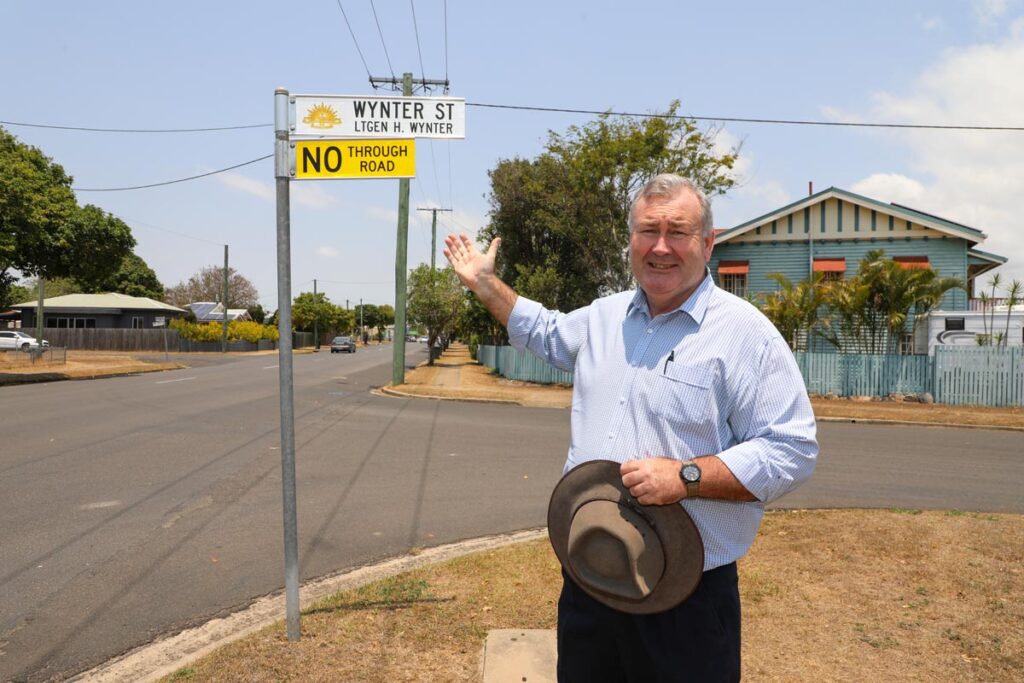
x=492, y=251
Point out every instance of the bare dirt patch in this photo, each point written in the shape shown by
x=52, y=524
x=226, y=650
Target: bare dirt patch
x=82, y=364
x=827, y=595
x=1009, y=416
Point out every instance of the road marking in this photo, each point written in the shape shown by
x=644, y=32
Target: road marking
x=168, y=381
x=100, y=505
x=270, y=367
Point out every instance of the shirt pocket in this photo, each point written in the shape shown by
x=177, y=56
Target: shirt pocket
x=684, y=394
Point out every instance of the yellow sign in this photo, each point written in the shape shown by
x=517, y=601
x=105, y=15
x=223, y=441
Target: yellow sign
x=373, y=158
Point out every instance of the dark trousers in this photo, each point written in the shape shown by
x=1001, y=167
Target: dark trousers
x=698, y=641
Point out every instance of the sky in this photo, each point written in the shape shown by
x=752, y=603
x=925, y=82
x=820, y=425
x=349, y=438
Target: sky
x=125, y=64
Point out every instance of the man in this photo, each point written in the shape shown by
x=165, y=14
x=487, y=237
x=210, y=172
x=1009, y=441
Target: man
x=693, y=390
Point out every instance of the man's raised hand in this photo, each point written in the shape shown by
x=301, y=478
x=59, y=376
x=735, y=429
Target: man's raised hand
x=469, y=263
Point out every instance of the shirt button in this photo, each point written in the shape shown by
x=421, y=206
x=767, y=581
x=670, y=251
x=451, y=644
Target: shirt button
x=622, y=399
x=649, y=331
x=611, y=435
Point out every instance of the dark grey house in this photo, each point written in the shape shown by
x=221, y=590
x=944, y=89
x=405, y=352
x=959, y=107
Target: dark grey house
x=99, y=311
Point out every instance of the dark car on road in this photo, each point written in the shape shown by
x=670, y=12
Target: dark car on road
x=346, y=344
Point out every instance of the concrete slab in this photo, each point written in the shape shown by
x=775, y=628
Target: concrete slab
x=520, y=656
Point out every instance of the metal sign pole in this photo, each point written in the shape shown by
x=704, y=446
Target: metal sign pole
x=284, y=347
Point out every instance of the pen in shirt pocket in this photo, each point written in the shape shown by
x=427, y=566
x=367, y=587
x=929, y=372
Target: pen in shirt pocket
x=671, y=359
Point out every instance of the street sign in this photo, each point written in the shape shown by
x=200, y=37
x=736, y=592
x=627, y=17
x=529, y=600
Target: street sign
x=329, y=159
x=339, y=116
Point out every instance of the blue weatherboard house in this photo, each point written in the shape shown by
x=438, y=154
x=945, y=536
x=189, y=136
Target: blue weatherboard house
x=830, y=231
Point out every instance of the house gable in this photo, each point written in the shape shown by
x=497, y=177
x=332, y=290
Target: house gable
x=836, y=214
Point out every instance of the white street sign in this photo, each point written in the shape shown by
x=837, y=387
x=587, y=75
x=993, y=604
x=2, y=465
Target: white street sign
x=336, y=116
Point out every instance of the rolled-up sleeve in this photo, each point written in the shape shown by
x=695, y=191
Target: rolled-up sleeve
x=554, y=337
x=774, y=426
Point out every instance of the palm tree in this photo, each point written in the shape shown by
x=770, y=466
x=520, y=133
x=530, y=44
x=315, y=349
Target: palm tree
x=983, y=299
x=1014, y=296
x=793, y=308
x=993, y=282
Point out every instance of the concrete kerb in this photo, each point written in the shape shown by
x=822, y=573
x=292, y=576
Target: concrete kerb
x=163, y=657
x=388, y=391
x=909, y=423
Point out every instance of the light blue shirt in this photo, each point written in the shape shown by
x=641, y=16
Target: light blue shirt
x=712, y=377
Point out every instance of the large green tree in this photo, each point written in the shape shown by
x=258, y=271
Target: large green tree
x=435, y=301
x=309, y=310
x=562, y=216
x=43, y=231
x=134, y=278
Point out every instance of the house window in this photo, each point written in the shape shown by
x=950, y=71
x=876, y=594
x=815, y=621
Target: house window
x=912, y=262
x=906, y=344
x=955, y=324
x=831, y=269
x=136, y=322
x=735, y=284
x=732, y=276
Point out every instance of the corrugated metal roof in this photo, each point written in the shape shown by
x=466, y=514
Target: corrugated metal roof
x=111, y=300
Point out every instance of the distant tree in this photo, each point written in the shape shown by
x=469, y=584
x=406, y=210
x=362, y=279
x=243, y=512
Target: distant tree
x=386, y=315
x=309, y=310
x=257, y=313
x=435, y=301
x=12, y=293
x=208, y=285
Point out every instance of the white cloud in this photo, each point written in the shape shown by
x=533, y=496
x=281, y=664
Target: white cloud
x=303, y=194
x=329, y=252
x=891, y=187
x=238, y=181
x=972, y=177
x=929, y=24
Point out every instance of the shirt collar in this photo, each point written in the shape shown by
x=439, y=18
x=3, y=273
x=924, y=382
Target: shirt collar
x=695, y=306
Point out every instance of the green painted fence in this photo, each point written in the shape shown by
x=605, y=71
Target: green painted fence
x=521, y=365
x=864, y=375
x=979, y=376
x=961, y=376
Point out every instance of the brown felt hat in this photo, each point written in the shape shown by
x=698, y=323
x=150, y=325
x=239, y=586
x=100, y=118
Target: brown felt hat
x=634, y=558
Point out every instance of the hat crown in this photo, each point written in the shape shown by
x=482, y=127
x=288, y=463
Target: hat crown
x=614, y=550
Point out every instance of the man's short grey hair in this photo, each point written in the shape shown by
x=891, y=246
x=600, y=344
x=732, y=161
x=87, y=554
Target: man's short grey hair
x=669, y=186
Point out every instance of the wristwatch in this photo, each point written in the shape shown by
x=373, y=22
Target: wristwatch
x=690, y=474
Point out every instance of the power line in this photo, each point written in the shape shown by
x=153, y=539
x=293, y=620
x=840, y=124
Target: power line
x=733, y=119
x=136, y=130
x=170, y=182
x=416, y=29
x=381, y=34
x=446, y=41
x=356, y=42
x=133, y=221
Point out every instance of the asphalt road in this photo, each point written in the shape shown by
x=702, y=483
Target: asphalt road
x=136, y=506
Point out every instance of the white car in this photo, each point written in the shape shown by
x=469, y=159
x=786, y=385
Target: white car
x=16, y=340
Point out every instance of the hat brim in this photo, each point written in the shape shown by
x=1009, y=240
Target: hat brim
x=681, y=543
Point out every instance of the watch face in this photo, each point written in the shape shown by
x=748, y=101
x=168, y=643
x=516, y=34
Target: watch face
x=691, y=473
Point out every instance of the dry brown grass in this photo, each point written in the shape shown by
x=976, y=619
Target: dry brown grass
x=827, y=596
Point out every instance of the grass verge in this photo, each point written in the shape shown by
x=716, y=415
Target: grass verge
x=827, y=595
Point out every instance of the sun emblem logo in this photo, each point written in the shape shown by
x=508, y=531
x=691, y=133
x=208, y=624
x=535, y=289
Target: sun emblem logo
x=322, y=116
